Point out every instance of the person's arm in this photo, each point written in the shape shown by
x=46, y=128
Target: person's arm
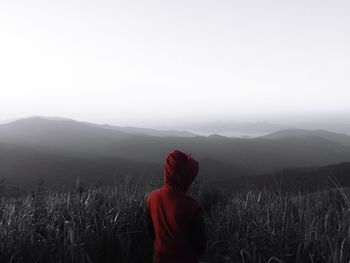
x=197, y=233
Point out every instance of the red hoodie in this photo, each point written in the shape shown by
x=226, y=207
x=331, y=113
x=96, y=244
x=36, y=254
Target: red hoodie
x=175, y=216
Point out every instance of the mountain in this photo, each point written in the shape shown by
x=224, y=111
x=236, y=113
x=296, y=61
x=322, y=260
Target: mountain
x=334, y=124
x=339, y=138
x=145, y=131
x=261, y=155
x=294, y=179
x=126, y=129
x=77, y=137
x=7, y=121
x=235, y=129
x=25, y=167
x=211, y=170
x=258, y=155
x=61, y=135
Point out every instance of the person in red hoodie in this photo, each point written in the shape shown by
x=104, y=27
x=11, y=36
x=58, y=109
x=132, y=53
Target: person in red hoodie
x=174, y=219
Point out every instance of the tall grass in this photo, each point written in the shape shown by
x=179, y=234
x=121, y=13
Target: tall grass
x=107, y=225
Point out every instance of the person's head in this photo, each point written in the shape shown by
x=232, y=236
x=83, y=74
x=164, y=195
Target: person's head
x=180, y=170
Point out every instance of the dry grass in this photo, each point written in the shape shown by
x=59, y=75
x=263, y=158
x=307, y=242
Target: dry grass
x=107, y=225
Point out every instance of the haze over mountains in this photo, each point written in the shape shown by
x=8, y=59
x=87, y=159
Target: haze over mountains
x=59, y=150
x=337, y=124
x=235, y=129
x=341, y=139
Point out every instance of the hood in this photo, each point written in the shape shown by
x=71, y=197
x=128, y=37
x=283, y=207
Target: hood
x=180, y=170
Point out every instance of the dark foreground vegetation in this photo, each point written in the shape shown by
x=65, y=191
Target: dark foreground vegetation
x=107, y=225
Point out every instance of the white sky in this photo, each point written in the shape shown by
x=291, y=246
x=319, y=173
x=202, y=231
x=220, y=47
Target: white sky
x=150, y=62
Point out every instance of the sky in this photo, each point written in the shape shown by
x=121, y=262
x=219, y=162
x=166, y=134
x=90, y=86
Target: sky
x=153, y=62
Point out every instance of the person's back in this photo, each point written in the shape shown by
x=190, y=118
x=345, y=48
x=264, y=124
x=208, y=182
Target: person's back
x=174, y=217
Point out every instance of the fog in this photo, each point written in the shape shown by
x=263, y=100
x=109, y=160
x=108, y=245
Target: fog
x=170, y=63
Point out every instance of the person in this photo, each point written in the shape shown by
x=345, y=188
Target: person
x=174, y=219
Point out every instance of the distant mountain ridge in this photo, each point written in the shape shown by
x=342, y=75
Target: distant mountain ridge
x=66, y=145
x=25, y=167
x=235, y=129
x=146, y=131
x=60, y=135
x=305, y=179
x=339, y=138
x=79, y=139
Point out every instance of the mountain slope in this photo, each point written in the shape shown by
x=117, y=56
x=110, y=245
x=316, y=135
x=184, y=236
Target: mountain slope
x=261, y=155
x=61, y=135
x=299, y=179
x=24, y=167
x=146, y=131
x=235, y=128
x=339, y=138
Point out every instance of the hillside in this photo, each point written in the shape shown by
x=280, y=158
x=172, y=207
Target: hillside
x=25, y=167
x=145, y=131
x=68, y=136
x=235, y=129
x=339, y=138
x=261, y=155
x=294, y=179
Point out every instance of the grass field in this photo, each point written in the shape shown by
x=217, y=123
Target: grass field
x=107, y=225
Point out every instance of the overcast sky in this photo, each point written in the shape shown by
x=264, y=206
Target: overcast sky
x=150, y=62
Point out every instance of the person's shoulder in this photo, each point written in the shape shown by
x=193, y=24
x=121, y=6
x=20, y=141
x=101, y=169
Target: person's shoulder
x=153, y=193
